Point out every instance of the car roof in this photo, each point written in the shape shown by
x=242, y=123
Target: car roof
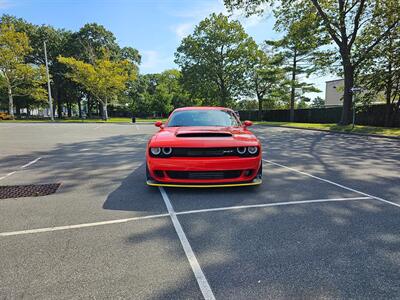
x=202, y=108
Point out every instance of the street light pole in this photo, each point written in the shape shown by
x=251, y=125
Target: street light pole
x=48, y=82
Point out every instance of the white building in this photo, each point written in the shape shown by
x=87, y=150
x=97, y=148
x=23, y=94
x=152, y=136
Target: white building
x=334, y=92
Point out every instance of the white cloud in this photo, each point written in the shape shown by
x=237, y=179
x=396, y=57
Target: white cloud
x=5, y=4
x=184, y=29
x=194, y=15
x=201, y=9
x=154, y=62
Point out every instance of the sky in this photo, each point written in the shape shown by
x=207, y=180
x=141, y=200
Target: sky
x=154, y=27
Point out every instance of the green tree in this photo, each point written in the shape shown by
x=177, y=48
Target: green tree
x=91, y=43
x=18, y=77
x=318, y=102
x=91, y=40
x=299, y=46
x=215, y=59
x=379, y=75
x=59, y=42
x=104, y=79
x=160, y=93
x=246, y=104
x=266, y=76
x=345, y=22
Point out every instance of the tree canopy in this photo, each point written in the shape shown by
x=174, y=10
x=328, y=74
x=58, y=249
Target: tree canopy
x=347, y=23
x=18, y=77
x=104, y=79
x=215, y=59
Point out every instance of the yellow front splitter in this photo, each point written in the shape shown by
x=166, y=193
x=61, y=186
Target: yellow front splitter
x=155, y=183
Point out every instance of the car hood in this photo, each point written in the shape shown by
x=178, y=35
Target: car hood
x=208, y=136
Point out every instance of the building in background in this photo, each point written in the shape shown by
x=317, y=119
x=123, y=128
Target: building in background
x=334, y=92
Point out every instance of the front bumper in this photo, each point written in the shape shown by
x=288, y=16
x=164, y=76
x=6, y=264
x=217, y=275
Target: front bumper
x=161, y=171
x=255, y=181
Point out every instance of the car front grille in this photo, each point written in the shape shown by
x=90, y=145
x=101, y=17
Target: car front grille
x=203, y=152
x=204, y=174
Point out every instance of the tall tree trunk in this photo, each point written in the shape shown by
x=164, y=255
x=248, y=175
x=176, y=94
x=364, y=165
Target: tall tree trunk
x=105, y=113
x=57, y=97
x=223, y=94
x=18, y=109
x=260, y=107
x=347, y=94
x=89, y=107
x=100, y=109
x=293, y=85
x=388, y=94
x=69, y=108
x=80, y=108
x=10, y=103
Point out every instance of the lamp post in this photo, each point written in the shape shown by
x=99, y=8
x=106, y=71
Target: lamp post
x=48, y=82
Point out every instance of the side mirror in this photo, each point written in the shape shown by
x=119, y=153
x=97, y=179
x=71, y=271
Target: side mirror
x=247, y=123
x=158, y=124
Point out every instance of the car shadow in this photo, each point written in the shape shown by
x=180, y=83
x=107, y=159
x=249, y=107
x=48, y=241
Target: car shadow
x=134, y=195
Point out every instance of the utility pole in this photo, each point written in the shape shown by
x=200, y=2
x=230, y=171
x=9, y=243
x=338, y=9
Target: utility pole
x=48, y=83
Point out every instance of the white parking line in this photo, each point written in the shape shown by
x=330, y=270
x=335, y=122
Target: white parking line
x=83, y=225
x=269, y=204
x=30, y=163
x=198, y=272
x=9, y=174
x=22, y=167
x=58, y=228
x=333, y=183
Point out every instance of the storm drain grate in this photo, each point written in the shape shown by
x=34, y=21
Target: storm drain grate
x=32, y=190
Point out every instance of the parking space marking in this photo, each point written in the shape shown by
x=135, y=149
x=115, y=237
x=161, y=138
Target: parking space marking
x=117, y=221
x=333, y=183
x=269, y=204
x=22, y=167
x=9, y=174
x=198, y=272
x=30, y=163
x=58, y=228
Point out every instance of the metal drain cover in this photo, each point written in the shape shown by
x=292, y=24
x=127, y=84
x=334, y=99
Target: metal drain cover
x=32, y=190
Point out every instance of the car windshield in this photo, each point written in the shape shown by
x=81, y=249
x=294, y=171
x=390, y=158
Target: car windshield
x=203, y=118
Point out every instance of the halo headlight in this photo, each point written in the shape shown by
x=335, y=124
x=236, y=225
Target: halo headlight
x=167, y=150
x=241, y=150
x=155, y=151
x=252, y=149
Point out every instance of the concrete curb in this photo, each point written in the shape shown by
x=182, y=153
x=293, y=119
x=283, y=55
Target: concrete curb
x=336, y=132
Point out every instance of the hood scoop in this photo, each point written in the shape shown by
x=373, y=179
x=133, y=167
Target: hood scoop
x=203, y=134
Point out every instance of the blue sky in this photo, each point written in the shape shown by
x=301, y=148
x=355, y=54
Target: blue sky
x=154, y=27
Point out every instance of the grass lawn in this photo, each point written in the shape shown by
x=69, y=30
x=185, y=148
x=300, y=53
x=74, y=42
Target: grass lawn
x=110, y=120
x=339, y=128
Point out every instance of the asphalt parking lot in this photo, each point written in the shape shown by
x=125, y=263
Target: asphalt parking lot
x=324, y=223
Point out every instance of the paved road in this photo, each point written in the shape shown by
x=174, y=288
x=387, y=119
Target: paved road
x=105, y=234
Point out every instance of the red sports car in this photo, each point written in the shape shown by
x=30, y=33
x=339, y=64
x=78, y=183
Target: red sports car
x=203, y=147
